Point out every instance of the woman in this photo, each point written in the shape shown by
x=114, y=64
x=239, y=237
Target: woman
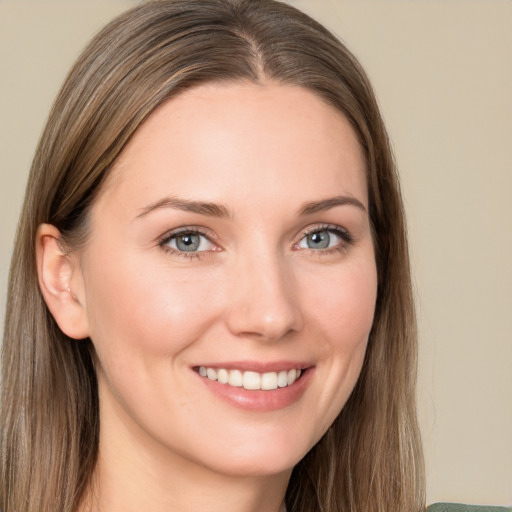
x=210, y=303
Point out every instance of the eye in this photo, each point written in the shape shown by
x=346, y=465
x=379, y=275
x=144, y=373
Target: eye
x=187, y=242
x=324, y=238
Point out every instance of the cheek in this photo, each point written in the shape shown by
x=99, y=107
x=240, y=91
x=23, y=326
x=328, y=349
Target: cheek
x=150, y=311
x=344, y=305
x=343, y=313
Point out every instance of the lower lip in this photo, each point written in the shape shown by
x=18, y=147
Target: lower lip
x=258, y=400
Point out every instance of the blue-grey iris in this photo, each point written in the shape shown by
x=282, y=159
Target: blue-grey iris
x=318, y=240
x=188, y=242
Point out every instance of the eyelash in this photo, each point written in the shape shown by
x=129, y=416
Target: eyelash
x=342, y=233
x=346, y=237
x=168, y=237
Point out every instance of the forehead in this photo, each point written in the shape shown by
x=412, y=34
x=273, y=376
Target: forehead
x=241, y=140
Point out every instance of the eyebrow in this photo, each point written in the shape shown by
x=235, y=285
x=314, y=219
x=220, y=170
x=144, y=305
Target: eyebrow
x=200, y=207
x=332, y=202
x=221, y=211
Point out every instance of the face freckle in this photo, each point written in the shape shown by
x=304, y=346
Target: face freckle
x=232, y=236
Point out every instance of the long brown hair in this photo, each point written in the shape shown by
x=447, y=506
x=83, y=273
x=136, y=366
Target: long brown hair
x=371, y=458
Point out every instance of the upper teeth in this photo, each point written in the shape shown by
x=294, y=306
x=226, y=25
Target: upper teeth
x=251, y=380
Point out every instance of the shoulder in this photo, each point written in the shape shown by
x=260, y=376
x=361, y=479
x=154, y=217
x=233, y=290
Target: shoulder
x=459, y=507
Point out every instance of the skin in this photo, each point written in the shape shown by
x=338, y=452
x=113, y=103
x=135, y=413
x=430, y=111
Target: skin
x=254, y=292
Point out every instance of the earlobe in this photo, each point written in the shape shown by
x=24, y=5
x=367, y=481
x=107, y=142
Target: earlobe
x=61, y=283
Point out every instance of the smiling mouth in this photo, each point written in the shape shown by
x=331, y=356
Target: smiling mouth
x=250, y=380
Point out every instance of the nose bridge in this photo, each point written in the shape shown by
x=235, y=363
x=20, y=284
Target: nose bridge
x=263, y=302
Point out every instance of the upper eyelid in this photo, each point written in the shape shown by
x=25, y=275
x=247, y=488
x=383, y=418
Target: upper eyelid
x=164, y=241
x=324, y=227
x=347, y=238
x=187, y=229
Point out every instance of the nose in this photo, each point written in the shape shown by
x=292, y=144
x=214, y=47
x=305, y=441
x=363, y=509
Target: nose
x=262, y=299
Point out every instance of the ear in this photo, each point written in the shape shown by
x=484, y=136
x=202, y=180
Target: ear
x=61, y=282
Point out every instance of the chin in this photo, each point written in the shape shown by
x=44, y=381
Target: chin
x=257, y=458
x=257, y=467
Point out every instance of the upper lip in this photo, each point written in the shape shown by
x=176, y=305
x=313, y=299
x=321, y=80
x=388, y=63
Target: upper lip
x=258, y=366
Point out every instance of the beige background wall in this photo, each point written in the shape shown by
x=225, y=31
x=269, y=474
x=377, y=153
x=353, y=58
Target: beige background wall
x=443, y=75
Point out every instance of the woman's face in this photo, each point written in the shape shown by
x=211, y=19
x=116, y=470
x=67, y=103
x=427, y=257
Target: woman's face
x=231, y=242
